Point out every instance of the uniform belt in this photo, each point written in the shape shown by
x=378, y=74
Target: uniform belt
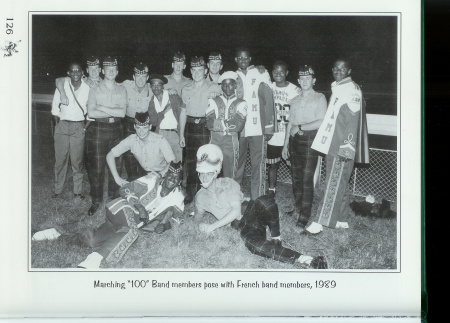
x=221, y=133
x=175, y=130
x=129, y=119
x=196, y=120
x=72, y=121
x=306, y=132
x=108, y=120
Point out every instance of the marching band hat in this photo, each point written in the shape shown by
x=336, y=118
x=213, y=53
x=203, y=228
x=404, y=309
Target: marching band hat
x=305, y=71
x=197, y=61
x=92, y=61
x=228, y=75
x=179, y=57
x=175, y=168
x=110, y=61
x=142, y=119
x=214, y=56
x=140, y=68
x=209, y=159
x=158, y=77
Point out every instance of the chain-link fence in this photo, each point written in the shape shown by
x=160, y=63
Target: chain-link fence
x=379, y=179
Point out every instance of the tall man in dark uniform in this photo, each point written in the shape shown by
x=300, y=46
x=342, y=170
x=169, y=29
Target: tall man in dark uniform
x=106, y=104
x=195, y=96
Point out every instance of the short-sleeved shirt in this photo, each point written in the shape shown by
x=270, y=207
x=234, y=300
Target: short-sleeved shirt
x=218, y=201
x=196, y=99
x=101, y=95
x=153, y=153
x=137, y=101
x=308, y=109
x=173, y=84
x=282, y=97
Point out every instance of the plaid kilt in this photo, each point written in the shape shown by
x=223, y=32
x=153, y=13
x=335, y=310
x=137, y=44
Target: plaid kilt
x=100, y=139
x=196, y=135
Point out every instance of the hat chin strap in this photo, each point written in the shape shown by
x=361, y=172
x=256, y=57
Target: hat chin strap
x=208, y=184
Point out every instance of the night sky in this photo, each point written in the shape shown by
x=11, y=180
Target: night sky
x=370, y=43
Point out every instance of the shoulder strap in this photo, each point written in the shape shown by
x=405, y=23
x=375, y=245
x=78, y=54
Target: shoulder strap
x=79, y=105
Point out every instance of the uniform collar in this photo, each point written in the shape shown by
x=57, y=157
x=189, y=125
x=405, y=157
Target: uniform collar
x=248, y=68
x=115, y=85
x=232, y=96
x=346, y=80
x=151, y=137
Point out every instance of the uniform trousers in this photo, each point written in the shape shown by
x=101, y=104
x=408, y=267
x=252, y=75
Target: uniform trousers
x=100, y=139
x=132, y=166
x=69, y=143
x=303, y=165
x=230, y=148
x=335, y=204
x=258, y=152
x=174, y=142
x=261, y=213
x=196, y=135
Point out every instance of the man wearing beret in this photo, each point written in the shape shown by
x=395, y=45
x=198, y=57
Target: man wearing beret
x=305, y=117
x=106, y=104
x=215, y=65
x=164, y=111
x=177, y=80
x=195, y=97
x=225, y=118
x=139, y=94
x=255, y=89
x=343, y=138
x=151, y=150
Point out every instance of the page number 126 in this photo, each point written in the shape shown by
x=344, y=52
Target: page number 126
x=9, y=26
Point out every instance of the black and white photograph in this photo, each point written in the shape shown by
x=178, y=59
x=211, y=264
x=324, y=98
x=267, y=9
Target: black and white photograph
x=332, y=207
x=234, y=154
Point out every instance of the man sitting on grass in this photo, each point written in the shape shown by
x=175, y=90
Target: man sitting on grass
x=223, y=198
x=148, y=200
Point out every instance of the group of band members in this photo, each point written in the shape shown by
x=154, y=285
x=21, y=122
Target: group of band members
x=217, y=118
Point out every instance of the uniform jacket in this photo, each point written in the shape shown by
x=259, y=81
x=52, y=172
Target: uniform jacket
x=266, y=103
x=344, y=128
x=226, y=115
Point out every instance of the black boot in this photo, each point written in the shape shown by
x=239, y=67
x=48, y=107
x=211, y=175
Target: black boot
x=93, y=209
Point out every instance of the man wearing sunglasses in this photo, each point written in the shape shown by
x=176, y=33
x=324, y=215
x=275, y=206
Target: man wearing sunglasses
x=69, y=131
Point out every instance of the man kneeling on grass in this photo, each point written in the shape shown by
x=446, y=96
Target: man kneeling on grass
x=223, y=198
x=146, y=203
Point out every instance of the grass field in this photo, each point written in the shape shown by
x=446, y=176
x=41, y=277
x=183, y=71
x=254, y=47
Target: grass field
x=370, y=243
